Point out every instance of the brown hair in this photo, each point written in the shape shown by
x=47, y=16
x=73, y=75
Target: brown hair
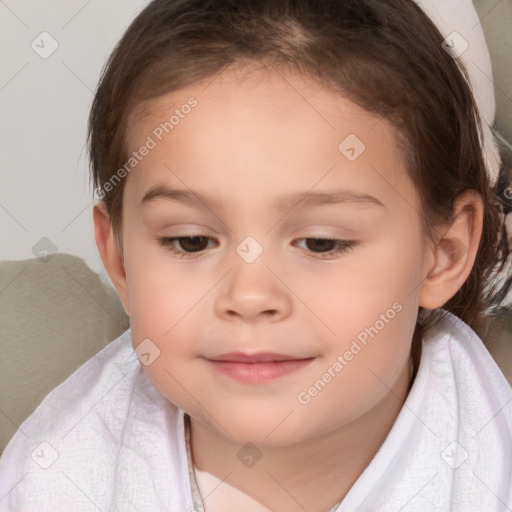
x=387, y=57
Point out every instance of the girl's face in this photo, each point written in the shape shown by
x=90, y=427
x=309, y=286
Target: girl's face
x=262, y=274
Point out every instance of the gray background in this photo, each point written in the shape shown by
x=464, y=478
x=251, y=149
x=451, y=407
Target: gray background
x=44, y=105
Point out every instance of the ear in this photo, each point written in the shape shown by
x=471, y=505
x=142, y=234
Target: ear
x=454, y=253
x=109, y=253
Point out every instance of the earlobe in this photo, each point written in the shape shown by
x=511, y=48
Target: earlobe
x=455, y=252
x=109, y=252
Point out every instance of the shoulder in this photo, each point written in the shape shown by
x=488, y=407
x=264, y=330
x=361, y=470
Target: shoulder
x=108, y=375
x=457, y=356
x=76, y=430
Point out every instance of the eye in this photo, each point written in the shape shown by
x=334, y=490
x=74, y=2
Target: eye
x=327, y=247
x=191, y=244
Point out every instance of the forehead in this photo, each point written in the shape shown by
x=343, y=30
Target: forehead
x=283, y=89
x=255, y=129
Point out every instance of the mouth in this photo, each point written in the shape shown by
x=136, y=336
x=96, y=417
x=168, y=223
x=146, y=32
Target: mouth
x=260, y=357
x=260, y=367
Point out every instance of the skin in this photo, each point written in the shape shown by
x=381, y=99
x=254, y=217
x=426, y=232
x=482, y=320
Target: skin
x=253, y=138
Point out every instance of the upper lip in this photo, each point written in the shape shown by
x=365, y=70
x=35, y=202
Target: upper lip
x=261, y=357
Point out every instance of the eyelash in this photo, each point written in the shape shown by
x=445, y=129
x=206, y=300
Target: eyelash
x=344, y=246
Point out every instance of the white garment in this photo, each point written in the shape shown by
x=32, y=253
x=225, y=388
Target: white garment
x=121, y=444
x=219, y=496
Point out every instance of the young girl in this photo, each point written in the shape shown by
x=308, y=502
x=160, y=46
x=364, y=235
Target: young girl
x=296, y=214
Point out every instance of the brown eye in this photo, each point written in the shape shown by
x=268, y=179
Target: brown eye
x=320, y=244
x=193, y=243
x=187, y=244
x=327, y=247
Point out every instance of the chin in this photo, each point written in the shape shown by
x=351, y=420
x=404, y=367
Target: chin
x=257, y=427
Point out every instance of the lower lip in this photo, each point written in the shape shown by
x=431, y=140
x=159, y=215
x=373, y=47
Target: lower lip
x=258, y=372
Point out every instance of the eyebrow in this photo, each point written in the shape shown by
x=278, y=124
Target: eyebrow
x=305, y=199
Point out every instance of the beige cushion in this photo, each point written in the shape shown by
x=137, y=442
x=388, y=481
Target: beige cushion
x=497, y=337
x=54, y=316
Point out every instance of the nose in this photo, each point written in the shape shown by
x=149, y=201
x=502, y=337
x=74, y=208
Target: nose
x=251, y=291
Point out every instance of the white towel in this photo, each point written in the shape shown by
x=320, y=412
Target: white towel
x=105, y=439
x=450, y=448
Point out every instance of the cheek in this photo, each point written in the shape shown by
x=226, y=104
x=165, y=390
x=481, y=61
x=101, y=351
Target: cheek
x=367, y=358
x=161, y=290
x=163, y=310
x=166, y=316
x=364, y=286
